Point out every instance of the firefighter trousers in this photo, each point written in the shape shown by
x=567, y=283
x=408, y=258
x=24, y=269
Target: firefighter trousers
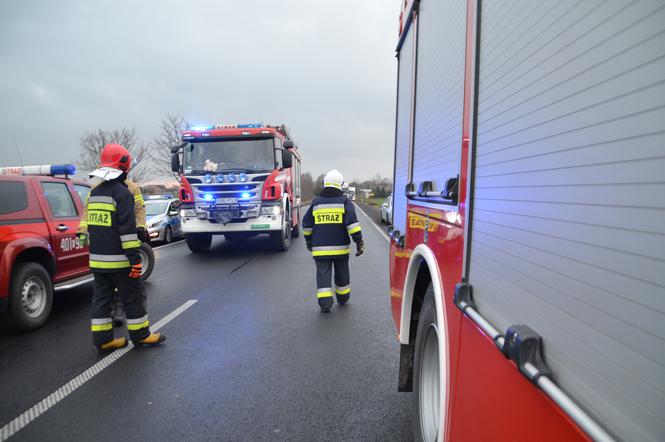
x=131, y=295
x=324, y=273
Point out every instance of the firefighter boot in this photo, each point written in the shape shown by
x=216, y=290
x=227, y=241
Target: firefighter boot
x=153, y=339
x=113, y=344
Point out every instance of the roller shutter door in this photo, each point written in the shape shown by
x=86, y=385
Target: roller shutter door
x=439, y=91
x=403, y=134
x=568, y=231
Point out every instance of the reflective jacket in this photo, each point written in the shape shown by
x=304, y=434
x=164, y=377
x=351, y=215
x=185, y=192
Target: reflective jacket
x=329, y=222
x=112, y=228
x=139, y=208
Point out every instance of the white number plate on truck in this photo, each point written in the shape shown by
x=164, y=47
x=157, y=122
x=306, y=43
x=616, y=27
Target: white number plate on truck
x=227, y=200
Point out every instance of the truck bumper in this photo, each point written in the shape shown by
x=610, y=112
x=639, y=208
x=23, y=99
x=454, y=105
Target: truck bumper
x=262, y=224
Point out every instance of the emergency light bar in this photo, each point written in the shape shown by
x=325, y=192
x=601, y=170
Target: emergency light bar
x=47, y=169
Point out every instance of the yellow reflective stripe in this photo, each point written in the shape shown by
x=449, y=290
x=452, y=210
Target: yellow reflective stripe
x=307, y=232
x=134, y=327
x=138, y=197
x=101, y=327
x=109, y=265
x=83, y=224
x=131, y=244
x=345, y=291
x=101, y=206
x=324, y=295
x=354, y=230
x=141, y=225
x=330, y=252
x=328, y=210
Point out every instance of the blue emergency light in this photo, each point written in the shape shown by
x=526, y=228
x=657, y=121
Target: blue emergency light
x=63, y=169
x=208, y=197
x=201, y=128
x=245, y=195
x=250, y=126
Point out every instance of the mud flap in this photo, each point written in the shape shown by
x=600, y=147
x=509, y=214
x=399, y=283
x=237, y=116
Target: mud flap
x=405, y=382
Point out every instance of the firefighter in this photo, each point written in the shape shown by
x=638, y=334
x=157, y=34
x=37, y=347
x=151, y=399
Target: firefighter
x=117, y=312
x=114, y=257
x=327, y=225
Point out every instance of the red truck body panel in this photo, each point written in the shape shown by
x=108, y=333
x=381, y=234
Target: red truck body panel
x=36, y=228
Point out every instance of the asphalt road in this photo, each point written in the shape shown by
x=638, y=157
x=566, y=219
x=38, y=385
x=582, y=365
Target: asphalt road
x=252, y=359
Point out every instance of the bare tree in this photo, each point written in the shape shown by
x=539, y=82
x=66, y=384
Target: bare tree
x=92, y=144
x=170, y=131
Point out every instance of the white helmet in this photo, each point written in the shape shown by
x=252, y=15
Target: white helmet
x=333, y=179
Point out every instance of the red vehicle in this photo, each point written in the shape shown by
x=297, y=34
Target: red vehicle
x=39, y=251
x=238, y=180
x=527, y=257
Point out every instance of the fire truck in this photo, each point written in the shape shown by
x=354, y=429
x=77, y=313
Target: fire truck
x=239, y=180
x=527, y=254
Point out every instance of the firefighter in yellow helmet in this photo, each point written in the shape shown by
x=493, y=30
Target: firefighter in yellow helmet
x=114, y=257
x=327, y=226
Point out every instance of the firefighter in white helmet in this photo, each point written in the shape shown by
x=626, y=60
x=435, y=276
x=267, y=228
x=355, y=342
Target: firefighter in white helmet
x=328, y=226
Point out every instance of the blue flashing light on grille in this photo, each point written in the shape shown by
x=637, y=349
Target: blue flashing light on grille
x=231, y=178
x=208, y=197
x=63, y=169
x=242, y=177
x=220, y=178
x=245, y=195
x=207, y=178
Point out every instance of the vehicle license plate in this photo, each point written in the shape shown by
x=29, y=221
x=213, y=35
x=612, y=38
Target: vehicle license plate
x=227, y=200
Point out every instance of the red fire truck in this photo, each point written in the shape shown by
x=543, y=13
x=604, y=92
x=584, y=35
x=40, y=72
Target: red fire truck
x=239, y=180
x=527, y=257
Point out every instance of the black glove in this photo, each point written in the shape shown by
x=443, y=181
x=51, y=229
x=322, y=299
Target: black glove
x=309, y=245
x=142, y=234
x=360, y=248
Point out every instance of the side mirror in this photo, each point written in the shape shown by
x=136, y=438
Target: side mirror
x=288, y=144
x=287, y=159
x=174, y=149
x=175, y=162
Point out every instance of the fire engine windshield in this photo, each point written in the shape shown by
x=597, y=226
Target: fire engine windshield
x=217, y=155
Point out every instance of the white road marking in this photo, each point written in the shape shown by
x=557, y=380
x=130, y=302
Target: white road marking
x=49, y=401
x=384, y=234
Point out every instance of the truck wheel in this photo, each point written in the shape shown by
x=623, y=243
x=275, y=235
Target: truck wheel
x=147, y=260
x=427, y=373
x=281, y=240
x=198, y=242
x=31, y=296
x=168, y=235
x=296, y=230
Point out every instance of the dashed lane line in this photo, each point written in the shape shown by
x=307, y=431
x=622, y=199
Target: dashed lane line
x=384, y=234
x=52, y=399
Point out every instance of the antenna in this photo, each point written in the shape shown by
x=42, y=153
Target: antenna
x=258, y=111
x=20, y=160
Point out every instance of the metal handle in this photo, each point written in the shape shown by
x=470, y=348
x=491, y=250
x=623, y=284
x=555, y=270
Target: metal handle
x=523, y=346
x=61, y=228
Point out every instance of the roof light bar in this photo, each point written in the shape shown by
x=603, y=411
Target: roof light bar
x=47, y=169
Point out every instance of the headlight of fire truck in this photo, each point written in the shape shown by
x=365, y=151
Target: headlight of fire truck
x=273, y=210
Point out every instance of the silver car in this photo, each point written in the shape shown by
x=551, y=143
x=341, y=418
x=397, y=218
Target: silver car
x=163, y=218
x=387, y=210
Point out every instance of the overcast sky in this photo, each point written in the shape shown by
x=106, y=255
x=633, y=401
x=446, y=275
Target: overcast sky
x=325, y=68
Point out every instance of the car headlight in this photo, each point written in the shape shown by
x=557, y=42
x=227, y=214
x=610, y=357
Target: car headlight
x=271, y=210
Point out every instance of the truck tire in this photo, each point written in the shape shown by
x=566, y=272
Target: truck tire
x=426, y=373
x=147, y=260
x=31, y=296
x=296, y=230
x=281, y=240
x=198, y=242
